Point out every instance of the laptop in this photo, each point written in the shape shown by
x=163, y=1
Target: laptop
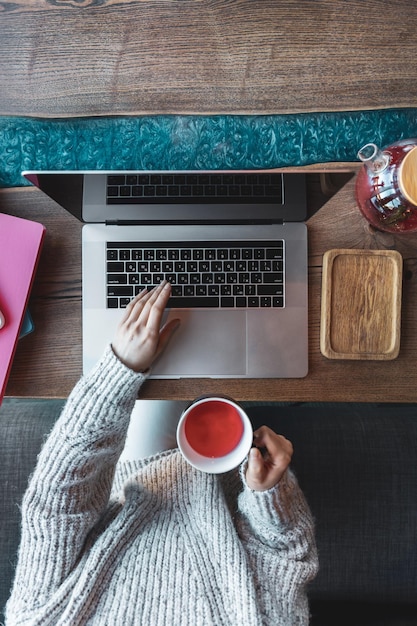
x=233, y=244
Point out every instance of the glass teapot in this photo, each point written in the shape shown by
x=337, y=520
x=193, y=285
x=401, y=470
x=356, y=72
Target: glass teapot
x=386, y=186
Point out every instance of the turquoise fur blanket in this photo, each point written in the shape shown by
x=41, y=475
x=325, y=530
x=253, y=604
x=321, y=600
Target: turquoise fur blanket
x=193, y=142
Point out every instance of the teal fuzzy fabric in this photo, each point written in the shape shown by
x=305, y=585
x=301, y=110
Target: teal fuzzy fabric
x=193, y=142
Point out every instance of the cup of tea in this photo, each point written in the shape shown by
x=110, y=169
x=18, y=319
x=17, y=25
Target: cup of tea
x=214, y=434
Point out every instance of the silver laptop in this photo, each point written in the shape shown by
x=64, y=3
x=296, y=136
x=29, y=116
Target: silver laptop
x=233, y=244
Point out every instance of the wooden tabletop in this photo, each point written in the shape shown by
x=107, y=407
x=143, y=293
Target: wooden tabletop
x=48, y=362
x=113, y=57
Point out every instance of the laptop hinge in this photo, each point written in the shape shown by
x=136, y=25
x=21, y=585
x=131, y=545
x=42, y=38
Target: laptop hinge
x=189, y=222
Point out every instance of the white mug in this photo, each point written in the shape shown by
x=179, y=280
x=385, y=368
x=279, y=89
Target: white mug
x=214, y=434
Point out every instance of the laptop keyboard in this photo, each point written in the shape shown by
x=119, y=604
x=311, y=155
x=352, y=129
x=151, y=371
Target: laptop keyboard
x=209, y=188
x=241, y=274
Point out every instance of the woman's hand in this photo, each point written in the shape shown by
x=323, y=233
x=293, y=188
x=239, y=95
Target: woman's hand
x=265, y=469
x=139, y=337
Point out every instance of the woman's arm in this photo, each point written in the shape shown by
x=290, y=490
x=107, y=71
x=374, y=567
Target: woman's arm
x=70, y=487
x=272, y=505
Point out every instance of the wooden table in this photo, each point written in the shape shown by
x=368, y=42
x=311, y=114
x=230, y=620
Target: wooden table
x=48, y=362
x=115, y=57
x=130, y=57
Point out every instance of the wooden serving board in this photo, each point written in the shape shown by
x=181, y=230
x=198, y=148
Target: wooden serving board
x=361, y=304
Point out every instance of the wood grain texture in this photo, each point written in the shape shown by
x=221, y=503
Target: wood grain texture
x=48, y=362
x=361, y=304
x=98, y=57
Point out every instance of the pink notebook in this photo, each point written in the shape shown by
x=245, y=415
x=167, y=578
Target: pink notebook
x=20, y=244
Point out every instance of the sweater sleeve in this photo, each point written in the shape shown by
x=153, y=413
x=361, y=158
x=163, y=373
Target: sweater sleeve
x=279, y=518
x=277, y=531
x=71, y=484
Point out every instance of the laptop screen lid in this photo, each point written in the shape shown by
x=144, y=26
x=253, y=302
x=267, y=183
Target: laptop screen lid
x=84, y=195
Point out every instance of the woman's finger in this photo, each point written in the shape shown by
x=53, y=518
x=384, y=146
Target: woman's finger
x=158, y=305
x=277, y=446
x=142, y=305
x=129, y=309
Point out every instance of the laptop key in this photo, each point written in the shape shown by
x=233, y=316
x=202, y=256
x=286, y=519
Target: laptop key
x=176, y=291
x=274, y=277
x=270, y=290
x=171, y=278
x=275, y=253
x=117, y=290
x=112, y=255
x=183, y=279
x=115, y=266
x=116, y=279
x=195, y=302
x=116, y=180
x=265, y=302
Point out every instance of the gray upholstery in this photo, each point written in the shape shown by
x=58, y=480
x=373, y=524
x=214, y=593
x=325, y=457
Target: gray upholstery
x=357, y=466
x=23, y=426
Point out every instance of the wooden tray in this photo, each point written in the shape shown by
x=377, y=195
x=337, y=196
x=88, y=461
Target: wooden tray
x=361, y=304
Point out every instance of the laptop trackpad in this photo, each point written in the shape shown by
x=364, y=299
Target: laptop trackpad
x=207, y=343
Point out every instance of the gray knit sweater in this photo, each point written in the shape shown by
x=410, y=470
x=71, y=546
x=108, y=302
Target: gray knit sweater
x=153, y=542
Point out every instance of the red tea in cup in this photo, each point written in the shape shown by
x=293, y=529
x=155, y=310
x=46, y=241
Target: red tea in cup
x=214, y=434
x=214, y=428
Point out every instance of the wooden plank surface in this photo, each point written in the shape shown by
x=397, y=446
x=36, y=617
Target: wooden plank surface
x=112, y=57
x=48, y=362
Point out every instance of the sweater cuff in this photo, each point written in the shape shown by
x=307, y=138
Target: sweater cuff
x=282, y=499
x=111, y=372
x=109, y=383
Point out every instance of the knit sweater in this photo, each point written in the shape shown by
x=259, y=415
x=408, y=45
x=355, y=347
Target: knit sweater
x=152, y=542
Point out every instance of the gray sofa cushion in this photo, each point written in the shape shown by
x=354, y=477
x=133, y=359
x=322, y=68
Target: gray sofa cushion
x=357, y=466
x=23, y=427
